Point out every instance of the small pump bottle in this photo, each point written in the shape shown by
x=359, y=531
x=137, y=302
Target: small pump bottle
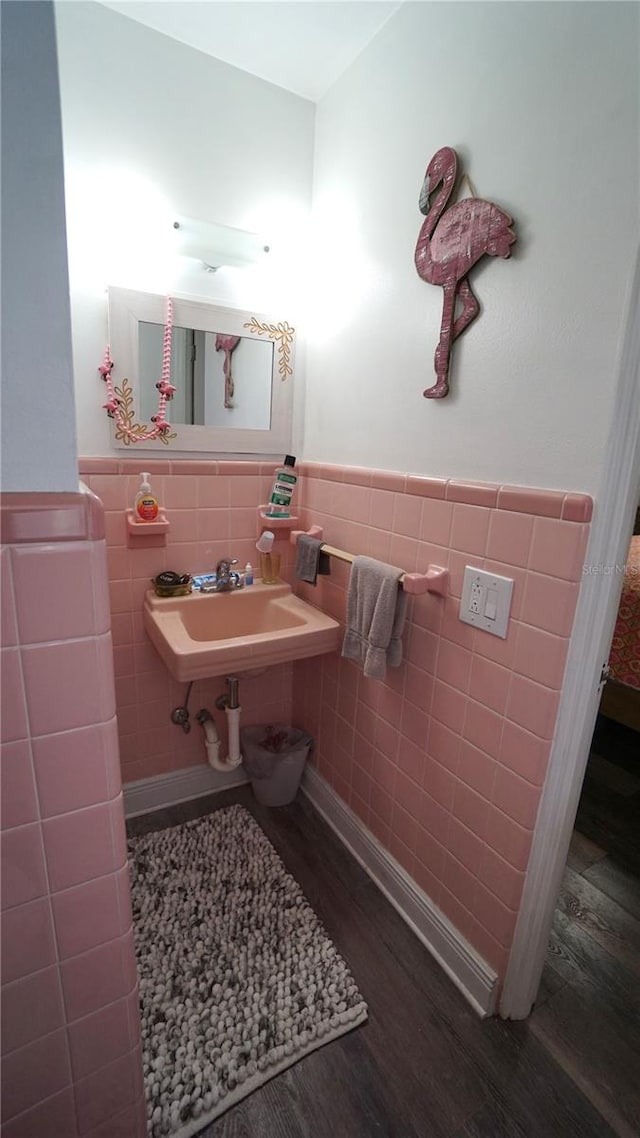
x=284, y=484
x=248, y=573
x=145, y=507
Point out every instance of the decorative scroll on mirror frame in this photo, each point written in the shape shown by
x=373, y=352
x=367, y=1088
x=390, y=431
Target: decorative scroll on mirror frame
x=130, y=311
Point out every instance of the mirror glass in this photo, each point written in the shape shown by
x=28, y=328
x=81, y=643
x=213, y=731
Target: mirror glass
x=232, y=371
x=220, y=381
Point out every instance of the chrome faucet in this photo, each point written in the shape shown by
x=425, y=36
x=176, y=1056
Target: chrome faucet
x=226, y=577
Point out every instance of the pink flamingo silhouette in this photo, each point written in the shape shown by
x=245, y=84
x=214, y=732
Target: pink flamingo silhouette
x=228, y=345
x=448, y=246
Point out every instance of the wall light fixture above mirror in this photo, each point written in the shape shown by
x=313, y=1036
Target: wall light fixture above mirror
x=217, y=245
x=232, y=371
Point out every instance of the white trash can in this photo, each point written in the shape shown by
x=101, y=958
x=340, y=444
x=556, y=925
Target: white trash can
x=274, y=758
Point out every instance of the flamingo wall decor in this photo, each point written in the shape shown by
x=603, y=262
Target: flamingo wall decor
x=228, y=345
x=451, y=241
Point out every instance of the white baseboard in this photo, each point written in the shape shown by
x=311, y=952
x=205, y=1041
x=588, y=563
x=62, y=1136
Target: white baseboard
x=177, y=786
x=469, y=972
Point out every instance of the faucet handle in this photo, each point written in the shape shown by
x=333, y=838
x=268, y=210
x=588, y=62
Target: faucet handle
x=224, y=565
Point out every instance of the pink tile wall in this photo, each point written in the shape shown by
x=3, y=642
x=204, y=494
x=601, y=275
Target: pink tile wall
x=212, y=511
x=69, y=988
x=444, y=762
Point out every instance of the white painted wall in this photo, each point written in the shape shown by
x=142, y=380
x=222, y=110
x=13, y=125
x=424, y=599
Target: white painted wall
x=541, y=103
x=153, y=128
x=38, y=417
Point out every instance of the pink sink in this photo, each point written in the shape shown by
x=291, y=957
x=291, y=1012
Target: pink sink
x=215, y=634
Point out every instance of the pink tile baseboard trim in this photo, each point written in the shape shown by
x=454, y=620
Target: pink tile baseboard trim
x=357, y=475
x=427, y=487
x=570, y=507
x=187, y=466
x=577, y=508
x=87, y=466
x=159, y=466
x=98, y=466
x=332, y=473
x=472, y=493
x=41, y=517
x=388, y=480
x=545, y=503
x=231, y=467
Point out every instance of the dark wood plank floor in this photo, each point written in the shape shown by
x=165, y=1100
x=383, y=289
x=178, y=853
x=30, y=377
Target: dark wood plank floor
x=588, y=1010
x=609, y=808
x=424, y=1065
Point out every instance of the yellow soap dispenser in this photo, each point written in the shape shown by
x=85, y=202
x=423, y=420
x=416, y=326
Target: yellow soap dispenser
x=145, y=507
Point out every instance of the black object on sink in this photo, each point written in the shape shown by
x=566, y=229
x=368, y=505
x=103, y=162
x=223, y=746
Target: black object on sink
x=170, y=584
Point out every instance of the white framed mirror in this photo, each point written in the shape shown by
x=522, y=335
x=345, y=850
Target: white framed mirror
x=232, y=371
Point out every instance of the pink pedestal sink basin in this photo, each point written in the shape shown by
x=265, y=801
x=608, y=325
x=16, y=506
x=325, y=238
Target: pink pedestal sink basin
x=216, y=634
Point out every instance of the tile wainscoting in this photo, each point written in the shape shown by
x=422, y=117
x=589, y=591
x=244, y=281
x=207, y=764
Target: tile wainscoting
x=443, y=762
x=71, y=1061
x=212, y=512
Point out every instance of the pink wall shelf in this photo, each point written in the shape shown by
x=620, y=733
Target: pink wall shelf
x=275, y=523
x=139, y=532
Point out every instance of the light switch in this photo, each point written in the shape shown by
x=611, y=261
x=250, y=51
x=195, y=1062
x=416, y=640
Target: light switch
x=491, y=607
x=486, y=600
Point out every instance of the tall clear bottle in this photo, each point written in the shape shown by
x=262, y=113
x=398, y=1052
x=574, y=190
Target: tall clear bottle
x=284, y=483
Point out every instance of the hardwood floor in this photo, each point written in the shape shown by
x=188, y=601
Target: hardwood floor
x=609, y=809
x=424, y=1065
x=588, y=1010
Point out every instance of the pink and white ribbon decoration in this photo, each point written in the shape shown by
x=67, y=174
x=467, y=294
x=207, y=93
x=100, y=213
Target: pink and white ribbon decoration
x=166, y=390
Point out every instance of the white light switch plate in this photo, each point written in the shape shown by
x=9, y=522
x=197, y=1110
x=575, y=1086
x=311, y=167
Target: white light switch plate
x=486, y=600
